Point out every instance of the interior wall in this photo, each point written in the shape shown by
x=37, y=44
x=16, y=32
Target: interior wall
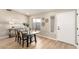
x=66, y=25
x=78, y=26
x=45, y=30
x=8, y=19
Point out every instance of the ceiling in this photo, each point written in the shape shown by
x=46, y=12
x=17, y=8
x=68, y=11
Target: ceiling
x=37, y=11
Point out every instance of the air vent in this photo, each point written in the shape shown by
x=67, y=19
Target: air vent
x=8, y=9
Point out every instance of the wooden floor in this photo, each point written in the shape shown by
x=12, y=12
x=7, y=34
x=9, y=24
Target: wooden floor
x=42, y=43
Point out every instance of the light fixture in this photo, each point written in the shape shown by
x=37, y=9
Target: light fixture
x=8, y=9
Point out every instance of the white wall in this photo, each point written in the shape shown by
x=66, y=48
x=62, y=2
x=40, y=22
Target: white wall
x=46, y=30
x=78, y=26
x=6, y=18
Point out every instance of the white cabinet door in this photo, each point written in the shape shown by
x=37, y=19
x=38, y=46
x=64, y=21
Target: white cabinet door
x=66, y=27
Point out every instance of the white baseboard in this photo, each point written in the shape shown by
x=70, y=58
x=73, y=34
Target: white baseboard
x=4, y=37
x=54, y=39
x=46, y=37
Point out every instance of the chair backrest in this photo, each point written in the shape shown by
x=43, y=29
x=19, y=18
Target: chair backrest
x=16, y=33
x=20, y=34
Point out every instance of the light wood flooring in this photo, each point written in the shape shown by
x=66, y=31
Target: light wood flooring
x=42, y=43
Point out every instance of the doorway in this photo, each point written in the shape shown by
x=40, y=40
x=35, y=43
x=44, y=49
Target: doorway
x=36, y=24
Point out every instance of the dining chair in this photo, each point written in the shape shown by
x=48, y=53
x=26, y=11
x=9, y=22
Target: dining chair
x=23, y=38
x=16, y=35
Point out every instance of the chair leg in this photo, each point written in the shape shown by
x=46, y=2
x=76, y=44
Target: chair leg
x=20, y=41
x=27, y=41
x=23, y=43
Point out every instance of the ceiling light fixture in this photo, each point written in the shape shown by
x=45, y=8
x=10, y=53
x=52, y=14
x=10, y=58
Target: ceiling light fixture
x=8, y=9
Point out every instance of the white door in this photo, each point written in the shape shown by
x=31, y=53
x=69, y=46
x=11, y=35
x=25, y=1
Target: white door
x=66, y=27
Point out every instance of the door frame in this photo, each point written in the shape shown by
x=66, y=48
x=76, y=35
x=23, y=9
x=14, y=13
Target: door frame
x=76, y=41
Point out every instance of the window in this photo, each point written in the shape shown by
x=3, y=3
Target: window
x=36, y=24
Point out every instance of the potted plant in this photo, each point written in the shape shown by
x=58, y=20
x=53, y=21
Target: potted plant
x=26, y=24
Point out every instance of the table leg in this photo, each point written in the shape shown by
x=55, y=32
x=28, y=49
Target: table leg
x=27, y=41
x=35, y=38
x=23, y=43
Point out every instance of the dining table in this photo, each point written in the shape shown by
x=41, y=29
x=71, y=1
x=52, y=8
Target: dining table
x=30, y=33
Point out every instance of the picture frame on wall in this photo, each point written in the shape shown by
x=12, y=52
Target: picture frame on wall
x=46, y=20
